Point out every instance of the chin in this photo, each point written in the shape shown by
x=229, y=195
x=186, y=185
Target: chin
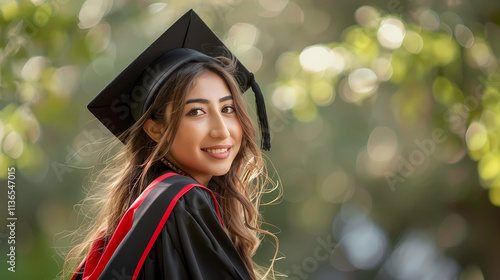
x=220, y=170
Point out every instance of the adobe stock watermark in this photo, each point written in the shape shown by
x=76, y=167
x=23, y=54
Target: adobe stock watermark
x=310, y=264
x=11, y=218
x=122, y=275
x=404, y=9
x=455, y=117
x=121, y=111
x=278, y=120
x=425, y=148
x=76, y=154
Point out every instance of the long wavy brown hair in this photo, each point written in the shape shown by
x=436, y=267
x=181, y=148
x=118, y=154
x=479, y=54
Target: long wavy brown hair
x=129, y=172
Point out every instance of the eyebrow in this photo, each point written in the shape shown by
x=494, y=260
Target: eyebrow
x=206, y=101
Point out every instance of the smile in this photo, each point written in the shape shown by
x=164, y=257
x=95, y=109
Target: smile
x=218, y=152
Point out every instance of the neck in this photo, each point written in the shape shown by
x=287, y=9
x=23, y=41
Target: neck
x=200, y=178
x=174, y=167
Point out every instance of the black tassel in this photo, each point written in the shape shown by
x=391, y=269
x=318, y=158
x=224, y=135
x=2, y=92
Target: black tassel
x=261, y=113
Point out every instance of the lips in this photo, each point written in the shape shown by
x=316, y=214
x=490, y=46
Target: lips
x=218, y=152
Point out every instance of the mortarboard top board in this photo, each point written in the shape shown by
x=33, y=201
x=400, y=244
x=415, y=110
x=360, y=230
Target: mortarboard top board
x=122, y=102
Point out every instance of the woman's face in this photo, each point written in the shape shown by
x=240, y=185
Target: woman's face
x=209, y=134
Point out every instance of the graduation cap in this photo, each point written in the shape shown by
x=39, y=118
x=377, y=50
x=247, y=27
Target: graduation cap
x=122, y=102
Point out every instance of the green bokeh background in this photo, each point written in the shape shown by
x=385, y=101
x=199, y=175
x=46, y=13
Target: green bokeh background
x=385, y=122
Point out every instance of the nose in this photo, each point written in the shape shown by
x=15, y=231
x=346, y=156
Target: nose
x=218, y=127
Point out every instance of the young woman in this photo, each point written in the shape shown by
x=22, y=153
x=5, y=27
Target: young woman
x=181, y=199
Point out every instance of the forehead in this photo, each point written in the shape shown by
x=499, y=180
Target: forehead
x=208, y=85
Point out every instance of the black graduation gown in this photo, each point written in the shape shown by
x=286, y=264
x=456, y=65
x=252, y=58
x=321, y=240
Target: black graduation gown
x=174, y=232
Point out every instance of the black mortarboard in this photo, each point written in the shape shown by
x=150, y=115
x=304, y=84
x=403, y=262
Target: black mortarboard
x=122, y=102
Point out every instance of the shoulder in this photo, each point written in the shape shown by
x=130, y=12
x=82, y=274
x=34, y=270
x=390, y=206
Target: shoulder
x=198, y=195
x=183, y=188
x=198, y=201
x=178, y=193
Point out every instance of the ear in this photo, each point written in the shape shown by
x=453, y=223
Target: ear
x=153, y=129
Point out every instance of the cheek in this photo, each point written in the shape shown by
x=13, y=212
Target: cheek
x=237, y=132
x=186, y=139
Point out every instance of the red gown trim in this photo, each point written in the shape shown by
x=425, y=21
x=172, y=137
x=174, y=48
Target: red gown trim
x=96, y=261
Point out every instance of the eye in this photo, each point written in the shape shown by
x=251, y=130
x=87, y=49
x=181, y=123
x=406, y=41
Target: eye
x=228, y=109
x=195, y=112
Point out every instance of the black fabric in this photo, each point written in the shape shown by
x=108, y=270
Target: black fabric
x=262, y=114
x=155, y=75
x=191, y=245
x=125, y=99
x=114, y=104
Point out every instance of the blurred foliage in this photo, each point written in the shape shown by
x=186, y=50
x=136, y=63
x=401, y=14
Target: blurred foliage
x=380, y=116
x=437, y=67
